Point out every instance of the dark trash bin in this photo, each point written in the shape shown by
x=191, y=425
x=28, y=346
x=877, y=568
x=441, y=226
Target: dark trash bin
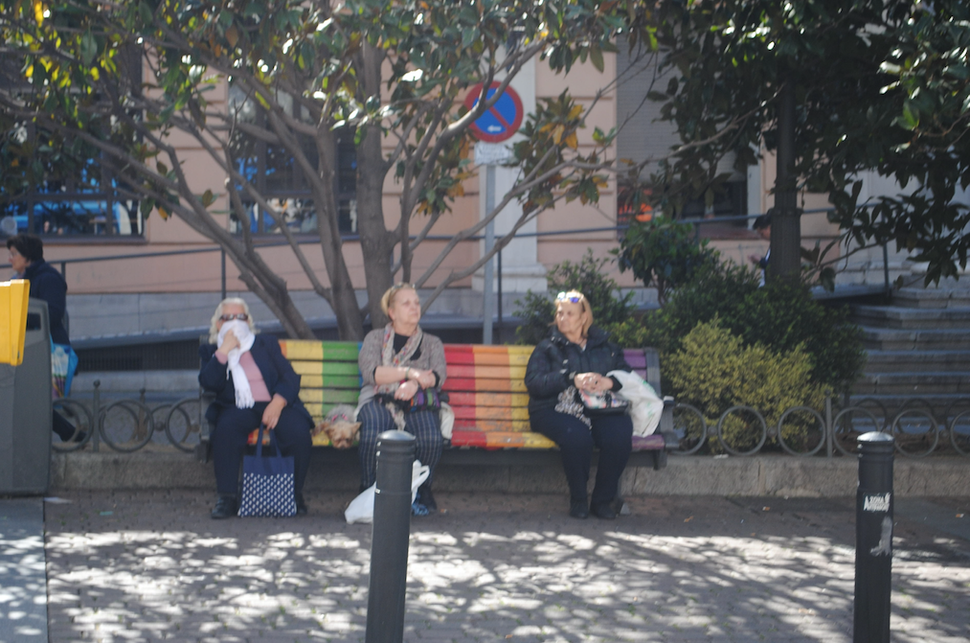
x=25, y=411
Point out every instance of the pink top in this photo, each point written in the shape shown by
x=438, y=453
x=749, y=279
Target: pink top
x=255, y=377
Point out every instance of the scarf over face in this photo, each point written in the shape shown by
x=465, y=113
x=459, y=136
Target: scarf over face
x=244, y=394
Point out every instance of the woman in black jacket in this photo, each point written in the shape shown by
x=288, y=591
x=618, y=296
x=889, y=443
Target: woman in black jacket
x=577, y=357
x=46, y=283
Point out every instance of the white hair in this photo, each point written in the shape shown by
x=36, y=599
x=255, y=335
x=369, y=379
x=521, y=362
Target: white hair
x=213, y=323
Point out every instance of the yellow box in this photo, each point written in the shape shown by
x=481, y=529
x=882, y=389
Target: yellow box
x=13, y=320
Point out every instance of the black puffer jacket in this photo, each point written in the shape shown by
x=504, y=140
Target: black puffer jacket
x=47, y=283
x=555, y=361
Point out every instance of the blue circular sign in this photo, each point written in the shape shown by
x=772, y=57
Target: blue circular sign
x=500, y=121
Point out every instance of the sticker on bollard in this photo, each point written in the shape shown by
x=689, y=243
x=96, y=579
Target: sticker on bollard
x=879, y=503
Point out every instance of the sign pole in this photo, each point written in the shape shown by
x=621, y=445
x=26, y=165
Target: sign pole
x=488, y=305
x=497, y=124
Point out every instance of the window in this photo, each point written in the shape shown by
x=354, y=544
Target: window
x=645, y=136
x=732, y=201
x=80, y=194
x=76, y=206
x=277, y=177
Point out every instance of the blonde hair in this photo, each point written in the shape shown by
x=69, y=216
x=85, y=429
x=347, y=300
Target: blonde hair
x=387, y=299
x=569, y=296
x=213, y=323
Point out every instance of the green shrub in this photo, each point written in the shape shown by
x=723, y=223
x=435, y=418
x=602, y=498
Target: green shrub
x=537, y=310
x=664, y=253
x=632, y=332
x=780, y=316
x=713, y=370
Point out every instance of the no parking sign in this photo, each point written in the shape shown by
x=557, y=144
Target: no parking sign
x=502, y=120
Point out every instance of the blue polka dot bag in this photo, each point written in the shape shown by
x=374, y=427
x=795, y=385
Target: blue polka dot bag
x=267, y=488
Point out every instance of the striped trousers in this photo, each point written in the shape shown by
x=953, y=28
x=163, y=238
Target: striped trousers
x=375, y=419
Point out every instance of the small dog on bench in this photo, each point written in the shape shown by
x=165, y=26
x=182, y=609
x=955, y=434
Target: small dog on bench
x=339, y=426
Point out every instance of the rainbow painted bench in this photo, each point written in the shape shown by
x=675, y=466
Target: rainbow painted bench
x=485, y=388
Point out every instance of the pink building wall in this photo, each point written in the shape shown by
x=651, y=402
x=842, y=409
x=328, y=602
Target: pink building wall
x=202, y=272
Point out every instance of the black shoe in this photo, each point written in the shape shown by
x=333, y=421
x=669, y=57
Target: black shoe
x=225, y=508
x=301, y=509
x=604, y=511
x=427, y=499
x=579, y=509
x=80, y=436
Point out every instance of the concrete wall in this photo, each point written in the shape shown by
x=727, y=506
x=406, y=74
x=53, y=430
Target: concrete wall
x=781, y=476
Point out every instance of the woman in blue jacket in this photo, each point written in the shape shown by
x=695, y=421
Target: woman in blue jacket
x=254, y=384
x=577, y=357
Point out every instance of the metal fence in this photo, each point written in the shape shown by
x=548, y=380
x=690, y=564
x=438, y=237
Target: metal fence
x=130, y=424
x=919, y=429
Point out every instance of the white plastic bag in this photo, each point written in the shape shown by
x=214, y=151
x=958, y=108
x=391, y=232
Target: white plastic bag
x=361, y=508
x=447, y=417
x=646, y=407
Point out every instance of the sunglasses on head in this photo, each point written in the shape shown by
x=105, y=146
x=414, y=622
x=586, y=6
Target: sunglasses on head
x=575, y=299
x=239, y=316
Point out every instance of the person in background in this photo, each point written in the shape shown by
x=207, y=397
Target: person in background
x=577, y=356
x=762, y=225
x=254, y=384
x=401, y=366
x=46, y=283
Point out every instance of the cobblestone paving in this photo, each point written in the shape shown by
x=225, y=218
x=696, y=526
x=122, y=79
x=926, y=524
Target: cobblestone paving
x=152, y=566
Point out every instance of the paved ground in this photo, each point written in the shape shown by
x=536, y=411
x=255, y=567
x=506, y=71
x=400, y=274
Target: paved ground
x=146, y=566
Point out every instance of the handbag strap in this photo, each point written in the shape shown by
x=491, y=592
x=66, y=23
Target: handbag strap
x=272, y=441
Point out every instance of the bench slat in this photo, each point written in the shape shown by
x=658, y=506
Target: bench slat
x=635, y=358
x=486, y=359
x=326, y=368
x=330, y=381
x=477, y=371
x=334, y=396
x=516, y=426
x=500, y=440
x=459, y=398
x=492, y=386
x=490, y=413
x=308, y=349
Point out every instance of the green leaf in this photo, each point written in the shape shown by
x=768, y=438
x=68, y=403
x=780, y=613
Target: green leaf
x=89, y=48
x=596, y=57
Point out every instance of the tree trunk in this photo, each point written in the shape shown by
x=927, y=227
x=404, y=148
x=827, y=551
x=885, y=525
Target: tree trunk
x=264, y=283
x=786, y=241
x=343, y=298
x=376, y=242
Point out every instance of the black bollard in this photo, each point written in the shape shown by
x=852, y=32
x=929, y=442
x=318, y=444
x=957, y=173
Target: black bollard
x=874, y=538
x=389, y=539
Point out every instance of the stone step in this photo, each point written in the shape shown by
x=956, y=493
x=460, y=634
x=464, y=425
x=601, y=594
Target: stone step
x=931, y=298
x=913, y=384
x=918, y=361
x=889, y=339
x=911, y=318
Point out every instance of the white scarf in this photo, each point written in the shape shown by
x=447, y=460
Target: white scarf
x=244, y=394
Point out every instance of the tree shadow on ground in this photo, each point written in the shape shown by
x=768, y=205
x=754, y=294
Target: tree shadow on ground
x=154, y=566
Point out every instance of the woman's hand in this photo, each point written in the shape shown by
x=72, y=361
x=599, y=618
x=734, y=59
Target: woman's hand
x=272, y=413
x=406, y=390
x=593, y=382
x=425, y=379
x=229, y=342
